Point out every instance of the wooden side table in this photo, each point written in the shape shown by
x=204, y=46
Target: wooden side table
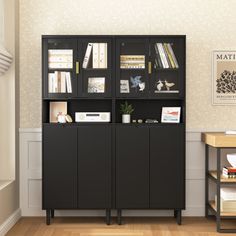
x=219, y=141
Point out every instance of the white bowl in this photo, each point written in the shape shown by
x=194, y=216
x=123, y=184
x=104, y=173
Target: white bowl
x=232, y=159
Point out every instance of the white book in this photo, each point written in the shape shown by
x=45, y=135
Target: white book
x=87, y=55
x=63, y=82
x=60, y=58
x=60, y=65
x=68, y=82
x=230, y=132
x=173, y=55
x=50, y=82
x=55, y=82
x=95, y=55
x=103, y=55
x=60, y=52
x=163, y=55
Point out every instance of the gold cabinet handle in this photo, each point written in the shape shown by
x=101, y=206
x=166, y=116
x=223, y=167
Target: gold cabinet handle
x=77, y=67
x=149, y=67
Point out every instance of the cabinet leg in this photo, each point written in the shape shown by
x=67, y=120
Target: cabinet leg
x=179, y=217
x=108, y=216
x=119, y=216
x=175, y=214
x=48, y=217
x=52, y=213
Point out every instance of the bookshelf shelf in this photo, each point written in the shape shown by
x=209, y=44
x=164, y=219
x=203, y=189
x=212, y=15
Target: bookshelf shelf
x=212, y=205
x=97, y=83
x=213, y=174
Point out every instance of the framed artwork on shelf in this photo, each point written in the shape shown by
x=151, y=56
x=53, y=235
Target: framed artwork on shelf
x=224, y=78
x=170, y=114
x=96, y=85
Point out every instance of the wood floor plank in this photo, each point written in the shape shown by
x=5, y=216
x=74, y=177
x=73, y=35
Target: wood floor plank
x=73, y=226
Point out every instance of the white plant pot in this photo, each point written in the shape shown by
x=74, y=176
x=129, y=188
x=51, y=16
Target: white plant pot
x=125, y=118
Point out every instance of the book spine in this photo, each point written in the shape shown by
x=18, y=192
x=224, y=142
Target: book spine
x=132, y=57
x=60, y=65
x=95, y=55
x=50, y=82
x=87, y=55
x=158, y=57
x=169, y=56
x=60, y=58
x=166, y=55
x=68, y=82
x=55, y=89
x=103, y=55
x=63, y=82
x=173, y=55
x=162, y=55
x=60, y=52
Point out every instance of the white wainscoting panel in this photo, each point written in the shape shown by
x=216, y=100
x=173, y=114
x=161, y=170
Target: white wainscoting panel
x=31, y=184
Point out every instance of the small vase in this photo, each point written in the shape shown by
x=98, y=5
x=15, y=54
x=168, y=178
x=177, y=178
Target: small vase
x=125, y=118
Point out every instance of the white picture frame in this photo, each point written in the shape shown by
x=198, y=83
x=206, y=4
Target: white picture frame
x=223, y=72
x=170, y=114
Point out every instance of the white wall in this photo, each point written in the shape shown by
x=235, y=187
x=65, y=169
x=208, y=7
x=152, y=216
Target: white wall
x=208, y=25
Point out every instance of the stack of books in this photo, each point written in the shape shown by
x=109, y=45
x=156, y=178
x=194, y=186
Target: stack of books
x=132, y=61
x=60, y=59
x=165, y=57
x=98, y=53
x=229, y=172
x=59, y=82
x=228, y=200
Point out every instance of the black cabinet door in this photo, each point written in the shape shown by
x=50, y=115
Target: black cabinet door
x=167, y=160
x=59, y=167
x=94, y=166
x=132, y=167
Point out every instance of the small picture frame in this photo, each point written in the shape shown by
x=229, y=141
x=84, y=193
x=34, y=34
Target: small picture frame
x=170, y=114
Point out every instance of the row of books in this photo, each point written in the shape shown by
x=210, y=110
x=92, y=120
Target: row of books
x=132, y=61
x=96, y=56
x=60, y=59
x=59, y=82
x=229, y=172
x=165, y=57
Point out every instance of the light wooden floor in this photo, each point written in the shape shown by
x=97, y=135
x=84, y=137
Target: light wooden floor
x=131, y=227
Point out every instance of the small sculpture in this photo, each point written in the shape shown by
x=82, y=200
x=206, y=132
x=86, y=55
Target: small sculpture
x=159, y=85
x=141, y=86
x=168, y=85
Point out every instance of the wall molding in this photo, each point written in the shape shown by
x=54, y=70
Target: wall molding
x=30, y=179
x=10, y=222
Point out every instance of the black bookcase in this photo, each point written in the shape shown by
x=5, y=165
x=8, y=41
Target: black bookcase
x=114, y=165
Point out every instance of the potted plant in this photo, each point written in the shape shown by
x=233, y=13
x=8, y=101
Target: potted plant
x=126, y=110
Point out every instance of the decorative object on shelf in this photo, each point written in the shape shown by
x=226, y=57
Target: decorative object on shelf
x=124, y=86
x=168, y=85
x=136, y=82
x=170, y=114
x=159, y=85
x=57, y=110
x=140, y=121
x=141, y=86
x=224, y=78
x=96, y=84
x=232, y=159
x=134, y=121
x=151, y=121
x=68, y=118
x=126, y=111
x=5, y=60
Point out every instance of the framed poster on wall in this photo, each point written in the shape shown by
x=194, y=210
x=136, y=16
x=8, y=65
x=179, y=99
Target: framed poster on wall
x=224, y=78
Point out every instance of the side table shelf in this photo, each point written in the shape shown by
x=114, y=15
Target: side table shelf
x=219, y=141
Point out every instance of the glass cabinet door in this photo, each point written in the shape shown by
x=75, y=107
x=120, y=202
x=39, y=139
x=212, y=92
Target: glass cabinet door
x=59, y=68
x=95, y=67
x=132, y=67
x=168, y=61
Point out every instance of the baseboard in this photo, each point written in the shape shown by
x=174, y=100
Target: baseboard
x=10, y=222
